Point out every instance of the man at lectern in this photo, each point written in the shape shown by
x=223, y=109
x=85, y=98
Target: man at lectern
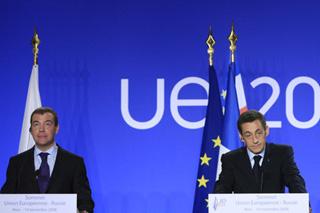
x=258, y=167
x=46, y=167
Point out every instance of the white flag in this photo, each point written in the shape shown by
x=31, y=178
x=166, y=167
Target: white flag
x=33, y=102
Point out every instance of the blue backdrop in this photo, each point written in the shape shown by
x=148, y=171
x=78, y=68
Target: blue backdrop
x=111, y=69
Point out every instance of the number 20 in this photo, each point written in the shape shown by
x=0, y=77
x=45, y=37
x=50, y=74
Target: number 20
x=289, y=100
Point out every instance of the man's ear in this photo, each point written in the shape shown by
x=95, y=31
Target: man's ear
x=241, y=138
x=267, y=131
x=57, y=129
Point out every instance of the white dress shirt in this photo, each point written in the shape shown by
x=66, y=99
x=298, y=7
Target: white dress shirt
x=51, y=157
x=251, y=157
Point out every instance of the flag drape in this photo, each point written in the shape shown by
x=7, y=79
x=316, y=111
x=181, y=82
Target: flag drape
x=33, y=101
x=210, y=146
x=230, y=136
x=235, y=104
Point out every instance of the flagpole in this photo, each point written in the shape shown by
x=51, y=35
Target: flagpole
x=233, y=38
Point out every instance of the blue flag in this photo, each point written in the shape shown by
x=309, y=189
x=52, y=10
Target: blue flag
x=235, y=104
x=210, y=146
x=230, y=135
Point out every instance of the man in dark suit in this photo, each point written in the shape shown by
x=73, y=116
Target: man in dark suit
x=46, y=167
x=258, y=167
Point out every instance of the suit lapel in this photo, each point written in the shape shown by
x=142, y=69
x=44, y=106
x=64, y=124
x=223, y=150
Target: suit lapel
x=250, y=180
x=246, y=165
x=30, y=173
x=266, y=158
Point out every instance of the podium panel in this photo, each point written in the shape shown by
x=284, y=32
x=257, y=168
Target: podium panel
x=54, y=203
x=259, y=203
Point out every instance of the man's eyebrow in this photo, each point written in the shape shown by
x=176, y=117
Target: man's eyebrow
x=44, y=121
x=251, y=132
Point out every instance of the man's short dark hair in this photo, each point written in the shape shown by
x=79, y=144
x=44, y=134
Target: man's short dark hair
x=250, y=116
x=43, y=110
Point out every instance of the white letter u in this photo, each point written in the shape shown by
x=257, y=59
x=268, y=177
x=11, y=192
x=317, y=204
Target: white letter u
x=125, y=106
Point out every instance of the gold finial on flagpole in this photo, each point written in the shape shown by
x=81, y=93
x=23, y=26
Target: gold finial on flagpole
x=35, y=44
x=233, y=40
x=210, y=42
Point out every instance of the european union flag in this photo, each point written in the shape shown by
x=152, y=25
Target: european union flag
x=210, y=146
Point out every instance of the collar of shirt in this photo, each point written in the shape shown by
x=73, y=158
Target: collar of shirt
x=251, y=155
x=51, y=157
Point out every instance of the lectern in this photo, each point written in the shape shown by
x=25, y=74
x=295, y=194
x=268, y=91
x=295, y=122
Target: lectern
x=54, y=203
x=259, y=203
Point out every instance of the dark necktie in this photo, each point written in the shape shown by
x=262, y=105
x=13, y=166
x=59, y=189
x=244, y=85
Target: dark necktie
x=44, y=173
x=257, y=169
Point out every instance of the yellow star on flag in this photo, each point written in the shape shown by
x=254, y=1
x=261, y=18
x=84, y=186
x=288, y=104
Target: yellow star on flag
x=224, y=94
x=217, y=141
x=207, y=200
x=203, y=182
x=205, y=159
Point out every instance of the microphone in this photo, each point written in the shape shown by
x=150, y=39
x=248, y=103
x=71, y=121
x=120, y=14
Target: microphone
x=262, y=174
x=37, y=173
x=261, y=181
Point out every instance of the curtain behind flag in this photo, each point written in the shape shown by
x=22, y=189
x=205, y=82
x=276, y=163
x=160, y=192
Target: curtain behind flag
x=210, y=146
x=234, y=105
x=33, y=102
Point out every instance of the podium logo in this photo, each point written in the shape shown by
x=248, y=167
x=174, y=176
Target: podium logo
x=217, y=203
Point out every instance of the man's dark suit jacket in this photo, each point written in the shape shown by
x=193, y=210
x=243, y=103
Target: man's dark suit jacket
x=68, y=176
x=278, y=170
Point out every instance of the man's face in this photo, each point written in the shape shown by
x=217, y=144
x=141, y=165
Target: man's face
x=43, y=130
x=254, y=136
